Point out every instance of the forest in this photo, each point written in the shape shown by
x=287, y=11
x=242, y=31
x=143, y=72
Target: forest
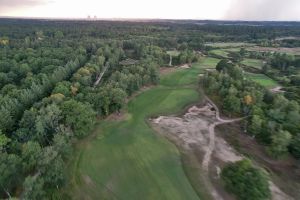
x=60, y=79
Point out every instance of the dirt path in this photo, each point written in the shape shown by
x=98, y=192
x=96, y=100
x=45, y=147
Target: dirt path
x=101, y=75
x=277, y=89
x=211, y=130
x=195, y=131
x=194, y=134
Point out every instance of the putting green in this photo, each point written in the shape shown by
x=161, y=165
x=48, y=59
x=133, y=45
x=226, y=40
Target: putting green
x=262, y=80
x=127, y=159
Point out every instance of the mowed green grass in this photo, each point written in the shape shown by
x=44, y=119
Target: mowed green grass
x=256, y=63
x=189, y=76
x=220, y=52
x=127, y=159
x=208, y=63
x=262, y=80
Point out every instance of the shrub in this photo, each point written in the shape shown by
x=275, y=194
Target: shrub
x=246, y=181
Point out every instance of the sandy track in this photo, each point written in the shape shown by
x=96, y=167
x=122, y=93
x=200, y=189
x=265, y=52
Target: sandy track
x=195, y=132
x=101, y=75
x=211, y=130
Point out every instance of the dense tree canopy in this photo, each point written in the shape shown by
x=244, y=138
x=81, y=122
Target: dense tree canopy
x=58, y=77
x=246, y=181
x=272, y=118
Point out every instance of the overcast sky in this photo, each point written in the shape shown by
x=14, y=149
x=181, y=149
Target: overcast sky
x=165, y=9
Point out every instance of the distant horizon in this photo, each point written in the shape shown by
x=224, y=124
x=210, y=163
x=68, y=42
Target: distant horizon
x=136, y=19
x=232, y=10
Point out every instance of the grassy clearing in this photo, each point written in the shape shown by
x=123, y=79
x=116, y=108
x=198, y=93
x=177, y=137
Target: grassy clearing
x=189, y=76
x=229, y=44
x=173, y=53
x=209, y=63
x=262, y=80
x=290, y=51
x=233, y=49
x=253, y=63
x=220, y=52
x=127, y=159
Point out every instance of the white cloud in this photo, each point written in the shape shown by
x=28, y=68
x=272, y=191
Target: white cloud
x=264, y=10
x=175, y=9
x=196, y=9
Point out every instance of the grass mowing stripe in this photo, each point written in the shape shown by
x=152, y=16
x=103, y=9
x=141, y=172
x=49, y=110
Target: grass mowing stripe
x=262, y=80
x=131, y=161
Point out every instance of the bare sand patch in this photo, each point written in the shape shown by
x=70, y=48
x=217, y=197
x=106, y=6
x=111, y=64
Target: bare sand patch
x=185, y=66
x=194, y=133
x=277, y=89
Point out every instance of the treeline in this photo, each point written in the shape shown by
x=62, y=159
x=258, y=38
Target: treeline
x=273, y=120
x=14, y=103
x=58, y=77
x=185, y=56
x=35, y=144
x=285, y=69
x=166, y=34
x=281, y=67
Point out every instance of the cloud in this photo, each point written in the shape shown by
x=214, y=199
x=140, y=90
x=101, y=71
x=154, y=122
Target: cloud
x=264, y=10
x=179, y=9
x=7, y=5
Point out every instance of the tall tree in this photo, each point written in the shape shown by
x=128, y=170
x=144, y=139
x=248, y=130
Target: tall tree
x=33, y=188
x=78, y=116
x=10, y=170
x=31, y=152
x=280, y=143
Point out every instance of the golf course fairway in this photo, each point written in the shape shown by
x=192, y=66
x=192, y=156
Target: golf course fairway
x=126, y=159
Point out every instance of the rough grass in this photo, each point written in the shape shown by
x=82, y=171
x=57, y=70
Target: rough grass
x=229, y=44
x=234, y=49
x=262, y=80
x=290, y=51
x=219, y=52
x=256, y=63
x=173, y=53
x=208, y=63
x=127, y=159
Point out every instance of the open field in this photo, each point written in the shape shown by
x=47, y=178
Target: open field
x=287, y=38
x=234, y=49
x=253, y=63
x=219, y=52
x=291, y=51
x=126, y=159
x=184, y=76
x=229, y=44
x=173, y=53
x=209, y=63
x=262, y=80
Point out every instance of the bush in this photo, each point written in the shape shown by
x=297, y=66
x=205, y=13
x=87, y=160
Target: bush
x=246, y=181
